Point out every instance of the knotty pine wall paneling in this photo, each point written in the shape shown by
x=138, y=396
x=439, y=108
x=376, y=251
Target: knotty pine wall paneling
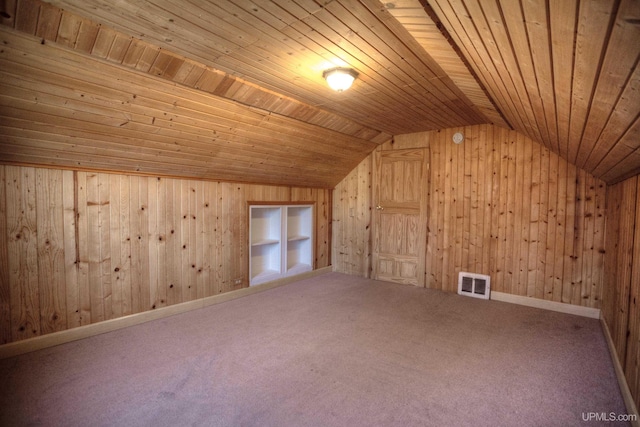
x=5, y=291
x=621, y=290
x=83, y=247
x=323, y=210
x=23, y=251
x=351, y=220
x=499, y=204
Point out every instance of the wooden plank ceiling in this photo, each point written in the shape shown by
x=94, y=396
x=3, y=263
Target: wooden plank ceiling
x=562, y=72
x=233, y=89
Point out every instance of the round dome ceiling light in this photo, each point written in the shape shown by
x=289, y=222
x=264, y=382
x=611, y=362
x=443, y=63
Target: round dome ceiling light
x=339, y=78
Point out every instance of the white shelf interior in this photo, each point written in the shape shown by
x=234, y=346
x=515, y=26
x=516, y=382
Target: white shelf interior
x=265, y=224
x=281, y=241
x=265, y=252
x=299, y=241
x=265, y=263
x=299, y=222
x=298, y=256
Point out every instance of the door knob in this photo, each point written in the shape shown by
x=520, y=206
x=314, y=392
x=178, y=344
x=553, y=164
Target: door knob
x=380, y=208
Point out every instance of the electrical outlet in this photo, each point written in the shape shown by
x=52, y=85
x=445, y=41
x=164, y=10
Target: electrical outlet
x=238, y=281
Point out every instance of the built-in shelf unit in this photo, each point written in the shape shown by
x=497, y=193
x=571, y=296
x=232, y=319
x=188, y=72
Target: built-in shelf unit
x=281, y=241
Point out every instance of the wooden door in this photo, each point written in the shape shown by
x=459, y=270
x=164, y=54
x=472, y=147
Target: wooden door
x=400, y=216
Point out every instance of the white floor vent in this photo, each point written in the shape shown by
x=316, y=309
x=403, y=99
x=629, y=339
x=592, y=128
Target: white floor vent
x=474, y=285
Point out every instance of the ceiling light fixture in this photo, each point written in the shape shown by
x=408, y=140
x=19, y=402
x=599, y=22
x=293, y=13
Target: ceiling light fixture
x=339, y=78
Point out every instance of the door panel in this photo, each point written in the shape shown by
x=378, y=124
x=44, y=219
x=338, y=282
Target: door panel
x=399, y=220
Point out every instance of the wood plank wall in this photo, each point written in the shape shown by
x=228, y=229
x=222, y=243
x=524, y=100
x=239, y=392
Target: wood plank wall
x=500, y=204
x=83, y=247
x=621, y=292
x=351, y=219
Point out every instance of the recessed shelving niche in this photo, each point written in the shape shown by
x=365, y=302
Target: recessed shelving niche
x=281, y=241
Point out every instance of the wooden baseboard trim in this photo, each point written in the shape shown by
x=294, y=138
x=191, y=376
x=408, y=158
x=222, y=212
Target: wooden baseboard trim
x=57, y=338
x=593, y=313
x=632, y=409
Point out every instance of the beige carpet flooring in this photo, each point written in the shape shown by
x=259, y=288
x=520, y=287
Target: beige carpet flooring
x=334, y=350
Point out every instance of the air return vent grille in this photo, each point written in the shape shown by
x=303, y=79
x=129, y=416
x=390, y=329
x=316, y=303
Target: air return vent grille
x=474, y=285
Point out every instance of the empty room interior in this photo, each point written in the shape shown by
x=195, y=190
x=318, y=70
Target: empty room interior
x=319, y=212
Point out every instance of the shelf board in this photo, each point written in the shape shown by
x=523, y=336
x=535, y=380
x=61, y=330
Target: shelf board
x=298, y=268
x=265, y=242
x=296, y=238
x=265, y=276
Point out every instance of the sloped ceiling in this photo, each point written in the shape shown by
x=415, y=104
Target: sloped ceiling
x=563, y=72
x=233, y=89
